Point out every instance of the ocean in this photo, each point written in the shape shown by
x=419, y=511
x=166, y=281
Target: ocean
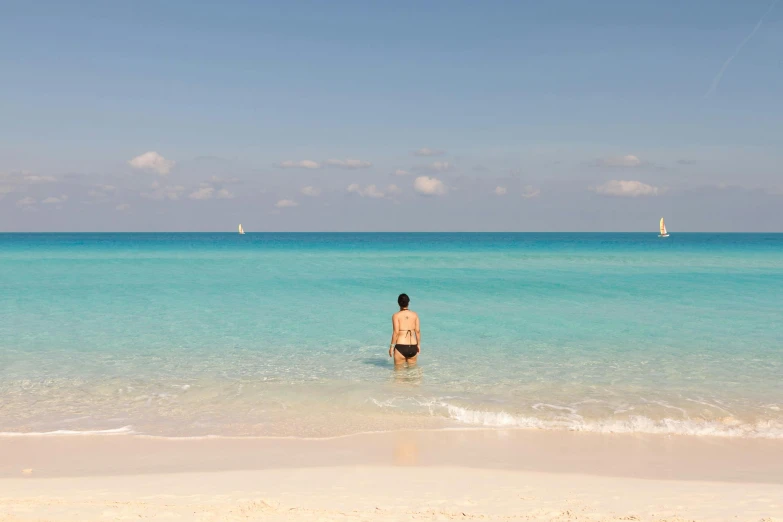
x=183, y=335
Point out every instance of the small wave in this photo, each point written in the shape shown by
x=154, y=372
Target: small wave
x=569, y=420
x=125, y=430
x=543, y=406
x=727, y=427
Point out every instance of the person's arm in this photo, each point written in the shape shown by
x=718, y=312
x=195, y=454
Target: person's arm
x=418, y=333
x=395, y=334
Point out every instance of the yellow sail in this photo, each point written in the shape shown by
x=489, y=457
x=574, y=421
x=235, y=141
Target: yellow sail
x=241, y=231
x=663, y=228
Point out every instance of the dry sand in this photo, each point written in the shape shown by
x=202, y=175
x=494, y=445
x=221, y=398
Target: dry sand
x=483, y=475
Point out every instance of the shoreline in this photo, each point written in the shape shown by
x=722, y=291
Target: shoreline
x=488, y=475
x=653, y=457
x=128, y=431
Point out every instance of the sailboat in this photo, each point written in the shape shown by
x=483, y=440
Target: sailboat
x=663, y=229
x=242, y=231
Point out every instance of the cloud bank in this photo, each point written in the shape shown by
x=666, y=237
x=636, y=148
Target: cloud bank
x=347, y=164
x=372, y=191
x=55, y=199
x=435, y=166
x=622, y=188
x=302, y=164
x=202, y=193
x=627, y=161
x=424, y=151
x=161, y=193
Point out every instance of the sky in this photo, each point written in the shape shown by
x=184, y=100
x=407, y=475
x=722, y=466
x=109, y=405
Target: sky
x=391, y=116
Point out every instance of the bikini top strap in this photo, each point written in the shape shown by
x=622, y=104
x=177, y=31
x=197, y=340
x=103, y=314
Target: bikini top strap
x=409, y=332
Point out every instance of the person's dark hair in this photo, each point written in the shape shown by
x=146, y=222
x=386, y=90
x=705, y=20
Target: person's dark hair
x=403, y=300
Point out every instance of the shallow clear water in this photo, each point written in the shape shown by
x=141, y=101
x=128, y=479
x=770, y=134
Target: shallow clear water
x=286, y=334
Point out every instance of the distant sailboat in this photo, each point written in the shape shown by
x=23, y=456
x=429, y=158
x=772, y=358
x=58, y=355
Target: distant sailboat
x=242, y=231
x=663, y=229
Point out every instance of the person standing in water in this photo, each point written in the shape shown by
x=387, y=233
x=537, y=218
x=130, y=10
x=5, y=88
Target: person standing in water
x=406, y=334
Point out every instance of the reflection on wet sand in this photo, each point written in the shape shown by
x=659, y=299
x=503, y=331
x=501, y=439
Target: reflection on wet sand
x=406, y=450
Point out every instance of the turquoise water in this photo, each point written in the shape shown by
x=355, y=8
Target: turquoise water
x=287, y=334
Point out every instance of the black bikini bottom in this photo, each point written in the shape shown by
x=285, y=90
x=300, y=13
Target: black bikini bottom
x=407, y=350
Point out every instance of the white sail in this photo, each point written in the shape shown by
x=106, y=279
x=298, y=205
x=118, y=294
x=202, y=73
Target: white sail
x=241, y=230
x=663, y=229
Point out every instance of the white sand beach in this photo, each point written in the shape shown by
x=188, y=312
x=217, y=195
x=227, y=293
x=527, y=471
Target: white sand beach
x=428, y=475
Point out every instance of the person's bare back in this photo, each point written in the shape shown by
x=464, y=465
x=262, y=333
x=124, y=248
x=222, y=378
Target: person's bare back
x=406, y=334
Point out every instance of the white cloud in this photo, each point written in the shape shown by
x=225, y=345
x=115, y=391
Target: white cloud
x=224, y=194
x=310, y=191
x=53, y=199
x=30, y=178
x=529, y=191
x=122, y=207
x=372, y=191
x=436, y=166
x=24, y=178
x=501, y=191
x=620, y=161
x=102, y=191
x=349, y=164
x=440, y=166
x=429, y=186
x=424, y=151
x=624, y=188
x=285, y=203
x=24, y=202
x=224, y=181
x=401, y=172
x=152, y=161
x=202, y=193
x=160, y=193
x=303, y=164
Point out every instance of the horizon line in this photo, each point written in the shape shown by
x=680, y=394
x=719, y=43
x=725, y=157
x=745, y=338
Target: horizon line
x=385, y=232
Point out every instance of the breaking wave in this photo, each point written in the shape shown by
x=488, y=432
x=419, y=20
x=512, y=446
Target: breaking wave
x=727, y=427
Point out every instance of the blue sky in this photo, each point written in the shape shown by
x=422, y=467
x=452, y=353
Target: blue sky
x=562, y=115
